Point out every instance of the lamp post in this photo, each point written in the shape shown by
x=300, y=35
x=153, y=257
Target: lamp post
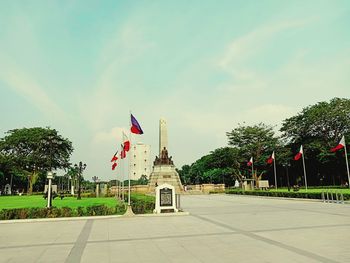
x=49, y=194
x=80, y=168
x=96, y=181
x=287, y=172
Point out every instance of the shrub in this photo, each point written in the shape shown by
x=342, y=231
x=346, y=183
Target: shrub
x=80, y=211
x=120, y=208
x=99, y=210
x=291, y=194
x=142, y=204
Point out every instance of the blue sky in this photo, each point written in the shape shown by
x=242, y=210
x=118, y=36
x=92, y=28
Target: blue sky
x=205, y=66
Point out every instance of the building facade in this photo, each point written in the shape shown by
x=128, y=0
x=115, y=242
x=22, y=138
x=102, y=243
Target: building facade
x=139, y=162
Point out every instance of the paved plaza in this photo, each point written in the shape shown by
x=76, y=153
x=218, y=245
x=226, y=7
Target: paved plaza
x=220, y=228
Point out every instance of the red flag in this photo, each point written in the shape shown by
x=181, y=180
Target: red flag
x=122, y=152
x=114, y=158
x=271, y=158
x=135, y=126
x=340, y=145
x=250, y=163
x=114, y=165
x=299, y=154
x=126, y=142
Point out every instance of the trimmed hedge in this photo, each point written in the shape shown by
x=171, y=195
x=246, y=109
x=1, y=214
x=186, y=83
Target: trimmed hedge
x=53, y=212
x=291, y=194
x=142, y=204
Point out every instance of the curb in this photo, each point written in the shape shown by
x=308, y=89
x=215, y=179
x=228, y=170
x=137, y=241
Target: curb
x=279, y=198
x=58, y=219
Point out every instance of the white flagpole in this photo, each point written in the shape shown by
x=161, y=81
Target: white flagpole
x=302, y=155
x=274, y=168
x=253, y=172
x=129, y=203
x=123, y=179
x=346, y=160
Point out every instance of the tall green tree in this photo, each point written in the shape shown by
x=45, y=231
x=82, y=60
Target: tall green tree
x=257, y=141
x=318, y=128
x=34, y=150
x=219, y=166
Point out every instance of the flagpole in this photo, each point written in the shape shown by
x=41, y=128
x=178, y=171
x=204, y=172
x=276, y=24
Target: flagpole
x=123, y=179
x=274, y=168
x=347, y=164
x=129, y=203
x=304, y=169
x=253, y=173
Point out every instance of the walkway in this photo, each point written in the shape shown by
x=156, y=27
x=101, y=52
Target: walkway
x=219, y=228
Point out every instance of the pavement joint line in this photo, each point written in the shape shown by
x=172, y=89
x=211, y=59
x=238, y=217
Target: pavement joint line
x=123, y=240
x=269, y=241
x=173, y=236
x=296, y=228
x=79, y=246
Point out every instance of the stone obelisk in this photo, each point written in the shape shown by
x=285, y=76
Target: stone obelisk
x=163, y=171
x=163, y=135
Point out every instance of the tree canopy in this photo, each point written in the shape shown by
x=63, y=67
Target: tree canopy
x=43, y=148
x=31, y=151
x=318, y=128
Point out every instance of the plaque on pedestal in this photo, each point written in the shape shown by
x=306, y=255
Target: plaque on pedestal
x=165, y=199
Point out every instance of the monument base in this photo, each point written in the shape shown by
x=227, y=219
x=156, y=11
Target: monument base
x=164, y=174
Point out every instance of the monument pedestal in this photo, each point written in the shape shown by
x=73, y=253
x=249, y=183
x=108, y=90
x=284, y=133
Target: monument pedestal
x=164, y=174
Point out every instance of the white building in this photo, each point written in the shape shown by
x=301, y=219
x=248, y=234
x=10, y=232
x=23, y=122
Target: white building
x=140, y=163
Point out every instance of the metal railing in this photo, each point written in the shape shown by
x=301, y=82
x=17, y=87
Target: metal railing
x=332, y=196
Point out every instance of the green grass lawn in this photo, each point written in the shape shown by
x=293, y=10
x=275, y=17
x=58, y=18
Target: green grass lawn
x=7, y=202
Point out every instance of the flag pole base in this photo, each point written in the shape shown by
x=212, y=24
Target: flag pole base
x=129, y=211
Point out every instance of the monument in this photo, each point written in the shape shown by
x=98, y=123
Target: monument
x=163, y=171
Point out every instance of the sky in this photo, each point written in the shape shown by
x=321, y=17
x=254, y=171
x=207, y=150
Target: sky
x=205, y=66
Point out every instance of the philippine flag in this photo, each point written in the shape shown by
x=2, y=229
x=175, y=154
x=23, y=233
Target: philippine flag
x=250, y=163
x=299, y=154
x=114, y=158
x=126, y=142
x=122, y=152
x=271, y=158
x=340, y=145
x=135, y=126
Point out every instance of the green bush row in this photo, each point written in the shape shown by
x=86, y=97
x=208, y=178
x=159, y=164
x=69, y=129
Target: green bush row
x=34, y=212
x=291, y=194
x=142, y=204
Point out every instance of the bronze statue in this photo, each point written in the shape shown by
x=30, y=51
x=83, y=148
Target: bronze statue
x=164, y=158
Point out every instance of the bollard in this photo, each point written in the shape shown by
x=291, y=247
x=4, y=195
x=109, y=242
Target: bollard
x=178, y=204
x=342, y=197
x=336, y=197
x=327, y=196
x=331, y=192
x=323, y=197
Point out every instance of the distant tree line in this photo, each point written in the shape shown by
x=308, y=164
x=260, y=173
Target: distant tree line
x=317, y=127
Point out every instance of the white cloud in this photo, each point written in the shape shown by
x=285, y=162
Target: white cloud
x=28, y=88
x=109, y=136
x=244, y=47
